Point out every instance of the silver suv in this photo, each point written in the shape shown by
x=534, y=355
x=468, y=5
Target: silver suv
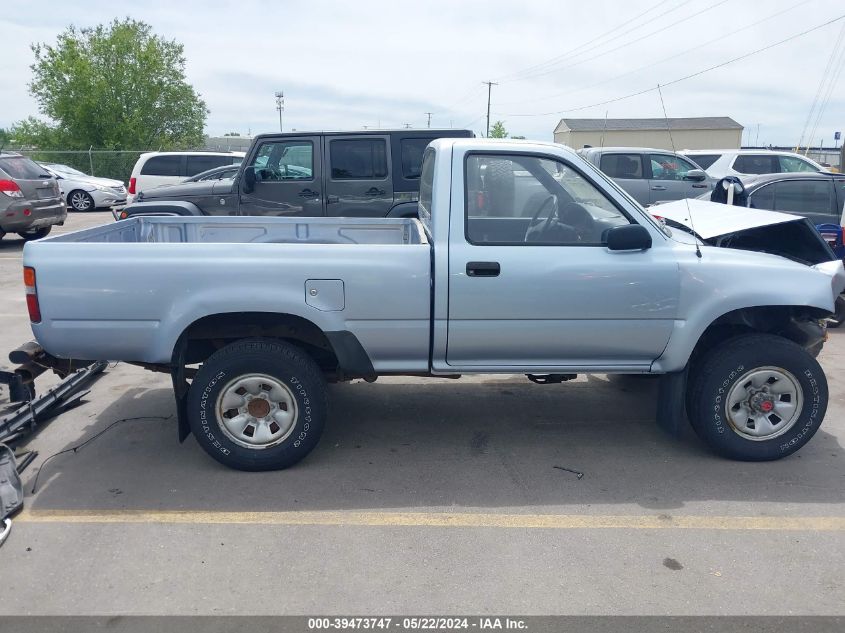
x=30, y=200
x=650, y=176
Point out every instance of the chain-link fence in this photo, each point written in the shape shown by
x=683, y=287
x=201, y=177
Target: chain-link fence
x=116, y=164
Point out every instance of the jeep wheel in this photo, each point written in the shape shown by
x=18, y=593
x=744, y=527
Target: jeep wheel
x=258, y=404
x=757, y=397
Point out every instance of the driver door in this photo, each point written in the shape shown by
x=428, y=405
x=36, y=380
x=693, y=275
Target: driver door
x=288, y=178
x=526, y=291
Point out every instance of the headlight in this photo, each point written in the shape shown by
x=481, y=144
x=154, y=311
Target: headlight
x=101, y=188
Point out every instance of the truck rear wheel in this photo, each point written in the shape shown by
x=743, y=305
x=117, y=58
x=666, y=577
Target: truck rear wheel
x=258, y=404
x=757, y=397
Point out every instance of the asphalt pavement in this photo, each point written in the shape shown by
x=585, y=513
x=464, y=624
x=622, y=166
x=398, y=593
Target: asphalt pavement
x=425, y=496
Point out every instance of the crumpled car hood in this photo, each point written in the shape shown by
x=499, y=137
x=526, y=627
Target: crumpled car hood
x=712, y=219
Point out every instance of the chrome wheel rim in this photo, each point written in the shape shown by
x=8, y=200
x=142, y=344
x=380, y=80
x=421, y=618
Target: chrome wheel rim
x=764, y=403
x=80, y=201
x=256, y=411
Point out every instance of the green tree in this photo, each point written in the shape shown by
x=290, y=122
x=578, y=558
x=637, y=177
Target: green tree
x=115, y=86
x=498, y=130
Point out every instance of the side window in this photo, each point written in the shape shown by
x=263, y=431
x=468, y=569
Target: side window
x=763, y=198
x=412, y=154
x=705, y=160
x=200, y=163
x=622, y=165
x=358, y=159
x=166, y=165
x=756, y=164
x=803, y=196
x=278, y=161
x=669, y=167
x=512, y=199
x=793, y=164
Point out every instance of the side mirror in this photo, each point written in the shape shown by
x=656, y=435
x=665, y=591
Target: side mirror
x=695, y=174
x=248, y=185
x=630, y=237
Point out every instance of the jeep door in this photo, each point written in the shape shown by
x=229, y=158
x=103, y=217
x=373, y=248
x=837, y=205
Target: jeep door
x=358, y=179
x=288, y=178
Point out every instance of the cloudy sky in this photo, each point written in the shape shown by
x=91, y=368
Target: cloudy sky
x=345, y=65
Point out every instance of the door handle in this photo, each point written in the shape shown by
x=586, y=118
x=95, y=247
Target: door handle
x=374, y=191
x=658, y=188
x=308, y=193
x=483, y=269
x=332, y=199
x=700, y=186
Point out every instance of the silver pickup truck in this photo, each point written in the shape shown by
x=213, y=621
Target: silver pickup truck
x=525, y=259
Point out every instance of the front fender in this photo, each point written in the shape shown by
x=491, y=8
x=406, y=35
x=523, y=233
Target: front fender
x=724, y=280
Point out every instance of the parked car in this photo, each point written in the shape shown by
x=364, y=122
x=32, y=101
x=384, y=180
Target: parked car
x=86, y=193
x=576, y=277
x=30, y=200
x=154, y=169
x=650, y=176
x=719, y=163
x=355, y=174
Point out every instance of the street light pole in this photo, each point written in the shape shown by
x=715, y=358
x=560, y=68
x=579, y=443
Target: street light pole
x=280, y=106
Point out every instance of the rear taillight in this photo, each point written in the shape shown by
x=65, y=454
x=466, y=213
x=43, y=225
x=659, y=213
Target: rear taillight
x=123, y=215
x=131, y=186
x=10, y=188
x=31, y=294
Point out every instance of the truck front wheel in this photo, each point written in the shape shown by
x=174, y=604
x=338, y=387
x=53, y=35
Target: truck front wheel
x=258, y=404
x=757, y=397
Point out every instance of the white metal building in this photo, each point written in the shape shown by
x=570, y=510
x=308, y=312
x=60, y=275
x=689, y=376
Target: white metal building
x=718, y=132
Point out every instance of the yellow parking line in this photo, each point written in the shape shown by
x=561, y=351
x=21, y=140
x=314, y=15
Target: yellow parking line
x=438, y=519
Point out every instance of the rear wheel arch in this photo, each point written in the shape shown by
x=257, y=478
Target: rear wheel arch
x=338, y=354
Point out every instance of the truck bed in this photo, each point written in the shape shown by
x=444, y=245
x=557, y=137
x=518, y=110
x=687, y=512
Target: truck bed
x=239, y=230
x=127, y=290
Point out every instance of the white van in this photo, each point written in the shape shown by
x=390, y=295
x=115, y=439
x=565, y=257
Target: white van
x=154, y=169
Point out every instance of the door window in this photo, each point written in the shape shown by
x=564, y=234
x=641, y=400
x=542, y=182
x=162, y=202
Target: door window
x=358, y=159
x=166, y=165
x=513, y=199
x=204, y=162
x=669, y=167
x=756, y=164
x=705, y=160
x=622, y=165
x=793, y=164
x=278, y=161
x=803, y=196
x=412, y=154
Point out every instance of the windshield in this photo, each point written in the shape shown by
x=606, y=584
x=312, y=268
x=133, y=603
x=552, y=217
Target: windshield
x=65, y=169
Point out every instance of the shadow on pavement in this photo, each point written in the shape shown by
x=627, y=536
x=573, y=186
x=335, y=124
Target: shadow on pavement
x=437, y=444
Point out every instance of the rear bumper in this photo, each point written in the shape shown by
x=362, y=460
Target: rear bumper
x=24, y=216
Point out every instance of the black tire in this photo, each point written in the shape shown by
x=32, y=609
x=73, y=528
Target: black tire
x=282, y=362
x=499, y=183
x=37, y=234
x=723, y=368
x=81, y=201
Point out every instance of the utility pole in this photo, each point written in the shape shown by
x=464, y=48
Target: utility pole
x=490, y=85
x=429, y=118
x=280, y=106
x=407, y=126
x=757, y=138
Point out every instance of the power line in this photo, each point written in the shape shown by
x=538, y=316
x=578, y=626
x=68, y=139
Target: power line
x=822, y=82
x=831, y=85
x=685, y=77
x=626, y=44
x=659, y=62
x=554, y=60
